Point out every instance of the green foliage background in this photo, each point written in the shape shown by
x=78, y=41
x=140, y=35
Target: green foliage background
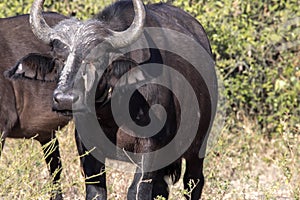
x=256, y=44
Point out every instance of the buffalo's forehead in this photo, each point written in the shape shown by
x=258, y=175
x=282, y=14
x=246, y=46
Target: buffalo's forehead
x=66, y=31
x=81, y=36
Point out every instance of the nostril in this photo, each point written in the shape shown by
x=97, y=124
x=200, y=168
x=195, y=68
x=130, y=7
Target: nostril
x=74, y=97
x=56, y=96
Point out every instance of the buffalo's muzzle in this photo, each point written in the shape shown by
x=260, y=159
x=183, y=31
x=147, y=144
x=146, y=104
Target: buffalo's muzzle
x=63, y=101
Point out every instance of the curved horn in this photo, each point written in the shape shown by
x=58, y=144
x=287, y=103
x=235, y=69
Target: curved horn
x=130, y=35
x=38, y=24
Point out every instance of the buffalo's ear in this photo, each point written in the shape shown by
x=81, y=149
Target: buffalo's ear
x=145, y=51
x=130, y=70
x=34, y=66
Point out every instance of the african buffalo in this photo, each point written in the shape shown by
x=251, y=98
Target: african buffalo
x=101, y=61
x=26, y=106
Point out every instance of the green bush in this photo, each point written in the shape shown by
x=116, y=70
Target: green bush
x=256, y=45
x=257, y=48
x=78, y=8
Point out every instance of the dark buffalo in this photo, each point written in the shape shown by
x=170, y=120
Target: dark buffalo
x=94, y=64
x=25, y=105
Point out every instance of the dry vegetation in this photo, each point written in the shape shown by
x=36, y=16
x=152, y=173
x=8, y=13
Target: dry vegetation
x=241, y=165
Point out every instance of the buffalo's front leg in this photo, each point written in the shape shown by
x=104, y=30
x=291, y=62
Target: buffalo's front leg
x=94, y=173
x=52, y=157
x=144, y=178
x=141, y=187
x=150, y=185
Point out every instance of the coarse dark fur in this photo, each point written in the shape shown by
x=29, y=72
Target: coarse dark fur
x=89, y=34
x=25, y=105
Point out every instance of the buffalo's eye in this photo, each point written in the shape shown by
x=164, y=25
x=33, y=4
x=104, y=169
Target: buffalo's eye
x=59, y=49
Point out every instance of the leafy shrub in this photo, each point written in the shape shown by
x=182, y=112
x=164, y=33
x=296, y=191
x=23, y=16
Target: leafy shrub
x=257, y=48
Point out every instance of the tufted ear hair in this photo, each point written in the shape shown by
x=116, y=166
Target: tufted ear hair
x=35, y=67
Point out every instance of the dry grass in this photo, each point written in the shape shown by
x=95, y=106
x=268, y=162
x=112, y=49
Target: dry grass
x=242, y=165
x=246, y=165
